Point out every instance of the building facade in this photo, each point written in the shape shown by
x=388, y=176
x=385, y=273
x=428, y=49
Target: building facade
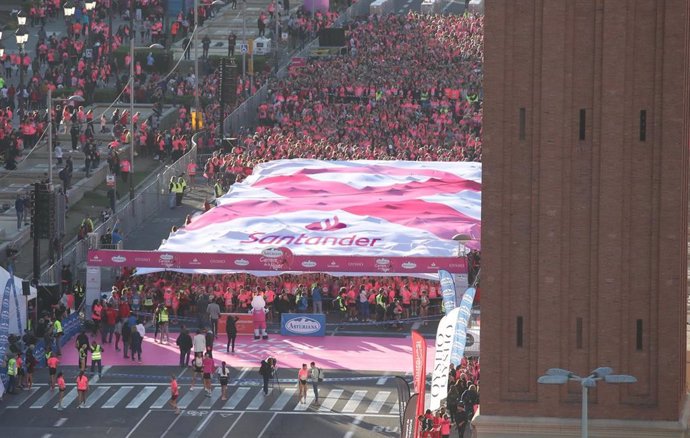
x=585, y=213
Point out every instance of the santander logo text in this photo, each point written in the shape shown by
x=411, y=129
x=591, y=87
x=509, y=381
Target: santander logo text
x=306, y=240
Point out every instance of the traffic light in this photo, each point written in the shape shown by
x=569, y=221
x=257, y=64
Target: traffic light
x=43, y=209
x=228, y=81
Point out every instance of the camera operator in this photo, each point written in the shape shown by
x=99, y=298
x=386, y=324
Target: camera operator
x=267, y=370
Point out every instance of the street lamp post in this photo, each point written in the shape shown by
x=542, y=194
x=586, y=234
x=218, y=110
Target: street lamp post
x=559, y=376
x=22, y=37
x=68, y=8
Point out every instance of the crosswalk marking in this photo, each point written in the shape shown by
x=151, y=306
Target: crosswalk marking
x=377, y=403
x=305, y=406
x=330, y=400
x=161, y=400
x=69, y=398
x=95, y=395
x=186, y=399
x=20, y=398
x=354, y=401
x=284, y=398
x=256, y=402
x=44, y=399
x=117, y=397
x=141, y=397
x=210, y=401
x=236, y=398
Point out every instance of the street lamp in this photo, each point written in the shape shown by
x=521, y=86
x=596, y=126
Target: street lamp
x=68, y=9
x=22, y=37
x=90, y=5
x=21, y=18
x=559, y=376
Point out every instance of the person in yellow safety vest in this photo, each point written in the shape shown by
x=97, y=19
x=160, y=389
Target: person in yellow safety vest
x=339, y=304
x=12, y=374
x=172, y=190
x=218, y=189
x=148, y=302
x=96, y=353
x=182, y=185
x=58, y=332
x=163, y=318
x=381, y=305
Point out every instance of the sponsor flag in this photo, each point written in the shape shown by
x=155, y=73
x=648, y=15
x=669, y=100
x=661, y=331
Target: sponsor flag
x=444, y=345
x=410, y=423
x=403, y=396
x=463, y=318
x=5, y=319
x=419, y=372
x=362, y=207
x=447, y=290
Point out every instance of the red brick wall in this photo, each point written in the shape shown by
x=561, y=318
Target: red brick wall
x=592, y=229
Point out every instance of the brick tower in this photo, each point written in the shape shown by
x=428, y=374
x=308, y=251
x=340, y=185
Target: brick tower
x=584, y=214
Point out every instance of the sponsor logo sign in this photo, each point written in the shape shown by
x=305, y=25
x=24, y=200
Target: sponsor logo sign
x=298, y=324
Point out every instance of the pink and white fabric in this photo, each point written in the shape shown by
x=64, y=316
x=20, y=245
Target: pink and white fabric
x=342, y=208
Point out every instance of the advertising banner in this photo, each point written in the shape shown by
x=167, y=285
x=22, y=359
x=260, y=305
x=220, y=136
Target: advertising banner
x=403, y=396
x=447, y=290
x=5, y=320
x=244, y=324
x=303, y=324
x=273, y=259
x=418, y=373
x=463, y=318
x=444, y=345
x=410, y=423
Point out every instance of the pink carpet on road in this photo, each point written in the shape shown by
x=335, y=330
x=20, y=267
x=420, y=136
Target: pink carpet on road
x=330, y=352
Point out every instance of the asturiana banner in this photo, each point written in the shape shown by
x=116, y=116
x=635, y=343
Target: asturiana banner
x=463, y=320
x=447, y=290
x=303, y=324
x=419, y=372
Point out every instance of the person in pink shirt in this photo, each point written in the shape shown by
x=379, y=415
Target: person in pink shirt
x=208, y=367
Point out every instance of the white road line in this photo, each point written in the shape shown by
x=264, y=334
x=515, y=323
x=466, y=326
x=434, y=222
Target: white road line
x=172, y=423
x=203, y=423
x=47, y=435
x=354, y=401
x=21, y=398
x=117, y=397
x=96, y=378
x=257, y=401
x=349, y=434
x=95, y=395
x=235, y=399
x=330, y=400
x=210, y=401
x=136, y=426
x=240, y=376
x=69, y=398
x=383, y=379
x=283, y=399
x=186, y=399
x=395, y=410
x=141, y=397
x=43, y=400
x=181, y=373
x=60, y=422
x=304, y=406
x=268, y=423
x=161, y=400
x=377, y=403
x=233, y=425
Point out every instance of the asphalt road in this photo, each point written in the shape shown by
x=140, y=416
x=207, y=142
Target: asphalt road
x=131, y=402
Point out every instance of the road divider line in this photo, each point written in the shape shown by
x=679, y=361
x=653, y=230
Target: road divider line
x=60, y=422
x=268, y=423
x=136, y=426
x=141, y=397
x=232, y=426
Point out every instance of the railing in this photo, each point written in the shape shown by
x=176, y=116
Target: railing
x=148, y=201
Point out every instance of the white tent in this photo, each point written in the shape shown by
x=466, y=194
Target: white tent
x=21, y=300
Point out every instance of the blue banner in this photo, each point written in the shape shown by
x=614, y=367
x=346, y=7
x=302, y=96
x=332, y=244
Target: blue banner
x=20, y=327
x=460, y=338
x=447, y=290
x=303, y=324
x=5, y=322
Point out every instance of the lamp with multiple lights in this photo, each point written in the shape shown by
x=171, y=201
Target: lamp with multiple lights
x=559, y=376
x=68, y=9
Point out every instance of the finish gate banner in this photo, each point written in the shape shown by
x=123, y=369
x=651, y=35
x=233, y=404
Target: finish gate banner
x=367, y=208
x=444, y=345
x=419, y=373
